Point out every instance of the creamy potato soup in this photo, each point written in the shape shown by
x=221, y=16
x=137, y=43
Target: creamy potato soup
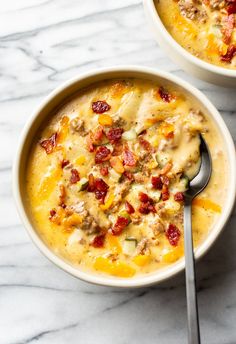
x=107, y=173
x=206, y=28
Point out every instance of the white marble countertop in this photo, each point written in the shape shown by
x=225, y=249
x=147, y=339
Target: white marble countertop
x=43, y=43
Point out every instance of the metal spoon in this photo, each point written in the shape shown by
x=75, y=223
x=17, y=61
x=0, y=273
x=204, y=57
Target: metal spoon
x=196, y=185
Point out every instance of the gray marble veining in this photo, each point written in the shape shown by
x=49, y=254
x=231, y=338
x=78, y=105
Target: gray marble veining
x=43, y=43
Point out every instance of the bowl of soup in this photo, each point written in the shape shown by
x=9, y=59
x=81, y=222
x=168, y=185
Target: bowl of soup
x=102, y=168
x=200, y=35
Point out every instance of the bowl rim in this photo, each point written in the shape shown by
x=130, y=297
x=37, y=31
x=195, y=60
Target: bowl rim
x=152, y=11
x=162, y=274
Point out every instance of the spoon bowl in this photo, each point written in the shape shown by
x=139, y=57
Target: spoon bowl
x=200, y=181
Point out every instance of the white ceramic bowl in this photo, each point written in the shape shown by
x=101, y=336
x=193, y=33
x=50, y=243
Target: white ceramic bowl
x=190, y=63
x=53, y=100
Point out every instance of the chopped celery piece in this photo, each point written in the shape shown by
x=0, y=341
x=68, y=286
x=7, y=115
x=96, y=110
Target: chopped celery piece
x=129, y=135
x=82, y=184
x=129, y=246
x=162, y=159
x=115, y=175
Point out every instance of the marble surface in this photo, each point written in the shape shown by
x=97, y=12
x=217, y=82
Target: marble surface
x=43, y=43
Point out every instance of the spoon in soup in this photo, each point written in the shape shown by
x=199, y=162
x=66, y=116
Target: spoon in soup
x=196, y=185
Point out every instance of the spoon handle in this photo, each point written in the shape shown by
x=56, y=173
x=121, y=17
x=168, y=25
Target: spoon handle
x=192, y=306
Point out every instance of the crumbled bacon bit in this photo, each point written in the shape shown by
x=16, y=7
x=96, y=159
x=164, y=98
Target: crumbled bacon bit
x=144, y=132
x=94, y=138
x=100, y=189
x=49, y=144
x=170, y=135
x=102, y=154
x=100, y=106
x=165, y=96
x=98, y=241
x=145, y=144
x=89, y=142
x=228, y=28
x=104, y=171
x=98, y=134
x=129, y=208
x=147, y=204
x=152, y=208
x=52, y=214
x=91, y=183
x=157, y=183
x=114, y=134
x=146, y=208
x=129, y=175
x=165, y=195
x=100, y=195
x=74, y=176
x=231, y=52
x=143, y=197
x=129, y=158
x=231, y=9
x=120, y=224
x=64, y=163
x=91, y=147
x=173, y=234
x=100, y=184
x=179, y=197
x=118, y=149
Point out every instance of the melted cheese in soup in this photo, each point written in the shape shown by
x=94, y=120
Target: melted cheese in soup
x=107, y=174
